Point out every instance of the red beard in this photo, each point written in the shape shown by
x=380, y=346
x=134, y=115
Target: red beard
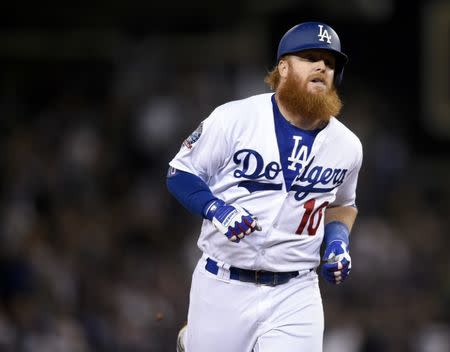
x=312, y=107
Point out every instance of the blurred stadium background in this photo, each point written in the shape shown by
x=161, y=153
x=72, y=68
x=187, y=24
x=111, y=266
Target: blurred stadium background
x=95, y=99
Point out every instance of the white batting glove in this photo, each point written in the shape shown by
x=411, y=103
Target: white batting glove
x=233, y=221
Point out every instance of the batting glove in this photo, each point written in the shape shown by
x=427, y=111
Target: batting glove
x=233, y=221
x=337, y=262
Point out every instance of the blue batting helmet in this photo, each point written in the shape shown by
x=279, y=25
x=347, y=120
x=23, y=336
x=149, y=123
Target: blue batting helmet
x=314, y=35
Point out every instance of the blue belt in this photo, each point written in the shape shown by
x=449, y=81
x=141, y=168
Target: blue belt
x=261, y=277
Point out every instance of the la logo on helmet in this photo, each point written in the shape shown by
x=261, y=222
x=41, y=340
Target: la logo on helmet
x=323, y=33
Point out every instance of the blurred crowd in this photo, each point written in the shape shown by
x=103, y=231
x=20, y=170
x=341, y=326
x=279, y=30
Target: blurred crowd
x=95, y=255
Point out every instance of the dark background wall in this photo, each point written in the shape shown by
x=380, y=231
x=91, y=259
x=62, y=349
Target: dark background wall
x=96, y=98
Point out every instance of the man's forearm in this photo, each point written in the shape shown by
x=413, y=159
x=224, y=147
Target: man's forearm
x=346, y=215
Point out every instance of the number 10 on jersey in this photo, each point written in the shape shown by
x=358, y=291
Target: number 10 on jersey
x=311, y=217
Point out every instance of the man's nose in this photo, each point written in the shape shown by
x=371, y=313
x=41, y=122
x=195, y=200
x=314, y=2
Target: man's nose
x=320, y=66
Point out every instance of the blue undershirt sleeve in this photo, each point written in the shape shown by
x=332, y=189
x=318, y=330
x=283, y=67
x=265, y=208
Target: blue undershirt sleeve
x=189, y=190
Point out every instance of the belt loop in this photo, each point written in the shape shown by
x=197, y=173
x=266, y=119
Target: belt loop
x=223, y=265
x=223, y=273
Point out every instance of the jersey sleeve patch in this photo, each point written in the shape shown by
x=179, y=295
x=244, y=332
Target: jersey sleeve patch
x=193, y=137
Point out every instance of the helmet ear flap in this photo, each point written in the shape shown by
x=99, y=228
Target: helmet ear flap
x=338, y=75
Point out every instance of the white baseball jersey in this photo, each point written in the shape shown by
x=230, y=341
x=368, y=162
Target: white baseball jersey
x=235, y=152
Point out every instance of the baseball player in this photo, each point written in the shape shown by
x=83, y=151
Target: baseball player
x=274, y=178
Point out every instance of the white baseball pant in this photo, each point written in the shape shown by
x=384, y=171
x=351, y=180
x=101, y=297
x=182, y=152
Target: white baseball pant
x=228, y=315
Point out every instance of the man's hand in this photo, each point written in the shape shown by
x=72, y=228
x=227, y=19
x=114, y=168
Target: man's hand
x=232, y=220
x=337, y=262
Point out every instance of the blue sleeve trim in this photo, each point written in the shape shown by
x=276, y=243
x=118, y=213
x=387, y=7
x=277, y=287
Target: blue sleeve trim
x=336, y=231
x=189, y=190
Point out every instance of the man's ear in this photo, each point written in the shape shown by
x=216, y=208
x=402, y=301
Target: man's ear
x=283, y=68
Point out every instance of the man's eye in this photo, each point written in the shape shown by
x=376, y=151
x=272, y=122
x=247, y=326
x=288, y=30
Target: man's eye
x=329, y=63
x=314, y=58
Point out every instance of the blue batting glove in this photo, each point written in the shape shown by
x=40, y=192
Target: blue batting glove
x=233, y=221
x=337, y=262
